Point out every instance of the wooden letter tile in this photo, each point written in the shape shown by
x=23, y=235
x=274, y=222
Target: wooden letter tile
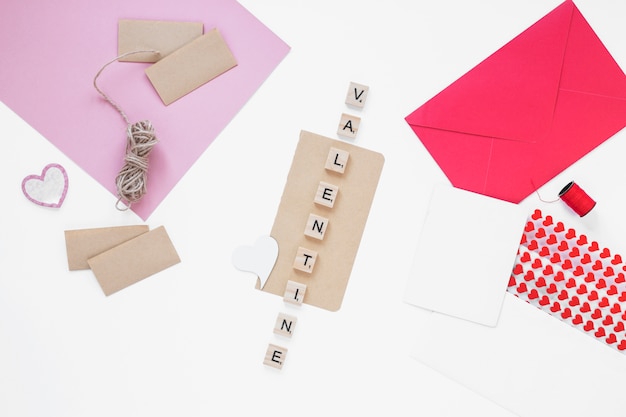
x=294, y=292
x=357, y=93
x=337, y=160
x=348, y=126
x=275, y=356
x=285, y=324
x=316, y=226
x=326, y=194
x=305, y=259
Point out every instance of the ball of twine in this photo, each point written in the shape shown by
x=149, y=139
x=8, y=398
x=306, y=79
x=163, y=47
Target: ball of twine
x=131, y=181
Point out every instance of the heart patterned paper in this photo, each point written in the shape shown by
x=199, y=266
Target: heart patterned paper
x=572, y=278
x=48, y=189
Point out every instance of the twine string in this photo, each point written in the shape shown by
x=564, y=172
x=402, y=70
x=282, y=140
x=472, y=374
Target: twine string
x=131, y=181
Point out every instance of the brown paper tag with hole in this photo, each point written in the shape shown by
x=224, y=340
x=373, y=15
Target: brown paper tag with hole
x=191, y=66
x=82, y=244
x=158, y=35
x=134, y=260
x=326, y=283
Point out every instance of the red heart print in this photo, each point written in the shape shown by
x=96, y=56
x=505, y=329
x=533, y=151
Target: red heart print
x=611, y=339
x=533, y=245
x=622, y=345
x=620, y=278
x=617, y=259
x=563, y=295
x=578, y=319
x=547, y=221
x=560, y=276
x=581, y=240
x=604, y=302
x=544, y=300
x=605, y=253
x=541, y=232
x=530, y=275
x=541, y=282
x=624, y=316
x=596, y=314
x=533, y=294
x=567, y=313
x=574, y=252
x=585, y=259
x=612, y=290
x=571, y=233
x=537, y=263
x=551, y=288
x=601, y=284
x=582, y=289
x=619, y=327
x=594, y=246
x=567, y=264
x=600, y=332
x=597, y=265
x=590, y=277
x=578, y=271
x=544, y=251
x=548, y=270
x=536, y=214
x=523, y=240
x=608, y=271
x=574, y=301
x=622, y=296
x=518, y=269
x=563, y=246
x=616, y=308
x=512, y=281
x=585, y=308
x=525, y=257
x=556, y=258
x=588, y=326
x=530, y=226
x=608, y=320
x=555, y=307
x=593, y=295
x=522, y=288
x=551, y=239
x=570, y=283
x=559, y=227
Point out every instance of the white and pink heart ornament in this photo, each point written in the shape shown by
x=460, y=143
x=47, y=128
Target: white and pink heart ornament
x=48, y=189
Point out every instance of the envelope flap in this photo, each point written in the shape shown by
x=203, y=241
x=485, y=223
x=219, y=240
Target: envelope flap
x=511, y=94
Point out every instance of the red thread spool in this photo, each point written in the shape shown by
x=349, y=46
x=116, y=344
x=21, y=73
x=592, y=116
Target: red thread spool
x=577, y=199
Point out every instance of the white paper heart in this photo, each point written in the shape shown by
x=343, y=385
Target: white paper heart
x=258, y=259
x=49, y=188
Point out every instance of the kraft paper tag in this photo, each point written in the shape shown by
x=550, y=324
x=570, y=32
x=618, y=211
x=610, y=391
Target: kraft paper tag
x=83, y=244
x=191, y=66
x=336, y=252
x=134, y=260
x=162, y=36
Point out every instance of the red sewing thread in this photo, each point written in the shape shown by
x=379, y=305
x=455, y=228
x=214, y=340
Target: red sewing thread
x=577, y=199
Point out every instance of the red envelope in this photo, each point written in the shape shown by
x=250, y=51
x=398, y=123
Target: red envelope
x=530, y=110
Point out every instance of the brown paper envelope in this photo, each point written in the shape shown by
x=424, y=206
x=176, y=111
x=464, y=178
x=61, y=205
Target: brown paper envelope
x=336, y=253
x=134, y=260
x=191, y=66
x=162, y=36
x=82, y=244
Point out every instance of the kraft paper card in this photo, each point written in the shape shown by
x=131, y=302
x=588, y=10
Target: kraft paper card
x=158, y=35
x=82, y=244
x=464, y=254
x=134, y=260
x=191, y=66
x=182, y=129
x=306, y=223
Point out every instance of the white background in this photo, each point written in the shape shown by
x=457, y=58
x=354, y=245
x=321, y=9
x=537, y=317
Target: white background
x=190, y=341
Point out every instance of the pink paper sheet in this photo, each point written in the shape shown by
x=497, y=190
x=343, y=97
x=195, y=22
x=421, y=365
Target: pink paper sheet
x=52, y=50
